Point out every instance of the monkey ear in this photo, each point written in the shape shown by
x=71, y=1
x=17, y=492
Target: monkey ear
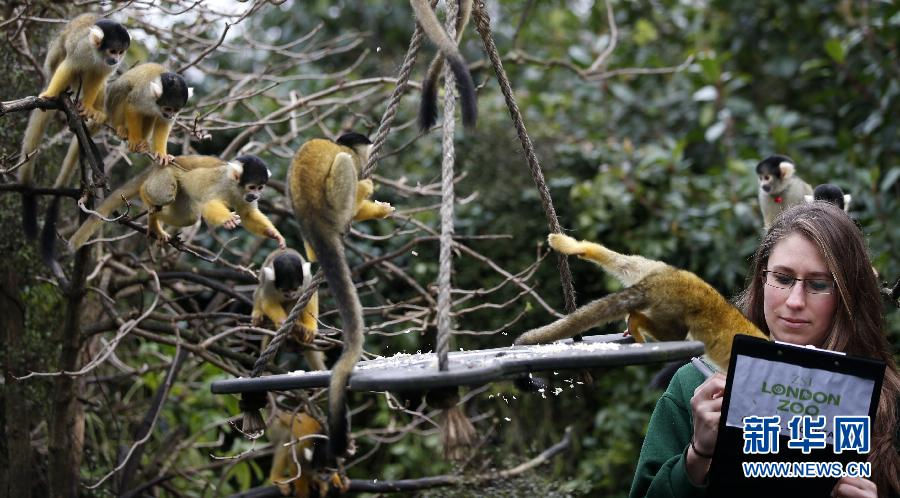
x=808, y=198
x=268, y=274
x=787, y=169
x=156, y=88
x=847, y=198
x=96, y=35
x=190, y=92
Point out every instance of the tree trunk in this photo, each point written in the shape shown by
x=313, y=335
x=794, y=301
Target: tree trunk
x=18, y=479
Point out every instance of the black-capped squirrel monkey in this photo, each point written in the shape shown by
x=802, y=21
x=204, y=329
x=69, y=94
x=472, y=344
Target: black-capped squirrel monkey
x=830, y=192
x=659, y=300
x=448, y=49
x=326, y=194
x=190, y=188
x=82, y=56
x=295, y=438
x=142, y=104
x=282, y=277
x=779, y=187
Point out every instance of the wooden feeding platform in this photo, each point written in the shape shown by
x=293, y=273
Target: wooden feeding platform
x=418, y=372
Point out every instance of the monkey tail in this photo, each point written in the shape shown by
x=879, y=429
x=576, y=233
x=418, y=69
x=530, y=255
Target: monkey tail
x=48, y=234
x=603, y=310
x=428, y=107
x=111, y=203
x=464, y=83
x=34, y=132
x=329, y=250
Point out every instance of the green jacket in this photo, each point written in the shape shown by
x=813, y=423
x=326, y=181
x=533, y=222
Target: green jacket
x=660, y=470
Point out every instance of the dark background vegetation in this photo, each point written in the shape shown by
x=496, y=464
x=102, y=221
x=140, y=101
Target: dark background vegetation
x=655, y=164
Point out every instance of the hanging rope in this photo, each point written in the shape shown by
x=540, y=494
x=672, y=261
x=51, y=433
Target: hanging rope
x=252, y=402
x=483, y=25
x=402, y=83
x=445, y=260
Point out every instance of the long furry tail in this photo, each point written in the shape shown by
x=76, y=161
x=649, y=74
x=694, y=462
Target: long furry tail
x=603, y=310
x=464, y=83
x=111, y=203
x=48, y=233
x=34, y=132
x=329, y=250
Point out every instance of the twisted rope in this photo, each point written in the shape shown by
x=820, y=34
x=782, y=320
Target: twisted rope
x=402, y=83
x=483, y=25
x=288, y=324
x=445, y=267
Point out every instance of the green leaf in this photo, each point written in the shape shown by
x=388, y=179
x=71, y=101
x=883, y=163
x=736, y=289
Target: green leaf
x=890, y=178
x=835, y=50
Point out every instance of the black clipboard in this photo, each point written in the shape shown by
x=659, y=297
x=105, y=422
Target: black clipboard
x=726, y=475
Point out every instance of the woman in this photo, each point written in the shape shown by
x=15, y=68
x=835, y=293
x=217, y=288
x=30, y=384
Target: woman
x=810, y=282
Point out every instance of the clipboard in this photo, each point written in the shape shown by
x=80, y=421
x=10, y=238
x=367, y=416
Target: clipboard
x=771, y=378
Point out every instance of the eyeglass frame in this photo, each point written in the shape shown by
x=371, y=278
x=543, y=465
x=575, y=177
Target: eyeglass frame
x=794, y=281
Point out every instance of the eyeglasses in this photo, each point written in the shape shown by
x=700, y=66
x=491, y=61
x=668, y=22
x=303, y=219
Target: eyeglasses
x=812, y=286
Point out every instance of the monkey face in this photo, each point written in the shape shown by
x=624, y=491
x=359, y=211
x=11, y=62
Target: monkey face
x=111, y=40
x=172, y=93
x=288, y=270
x=113, y=56
x=767, y=182
x=252, y=192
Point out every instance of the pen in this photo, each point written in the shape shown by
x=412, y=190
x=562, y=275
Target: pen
x=702, y=366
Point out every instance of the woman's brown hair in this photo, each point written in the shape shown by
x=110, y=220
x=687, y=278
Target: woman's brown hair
x=858, y=325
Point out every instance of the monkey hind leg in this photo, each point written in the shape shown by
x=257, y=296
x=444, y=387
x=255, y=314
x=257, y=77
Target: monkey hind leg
x=604, y=310
x=640, y=327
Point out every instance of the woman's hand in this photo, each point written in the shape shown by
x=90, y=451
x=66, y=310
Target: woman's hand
x=706, y=409
x=706, y=405
x=854, y=487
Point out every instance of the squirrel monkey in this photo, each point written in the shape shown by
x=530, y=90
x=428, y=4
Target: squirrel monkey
x=83, y=55
x=142, y=103
x=326, y=195
x=294, y=436
x=779, y=187
x=190, y=188
x=282, y=277
x=464, y=84
x=830, y=192
x=660, y=301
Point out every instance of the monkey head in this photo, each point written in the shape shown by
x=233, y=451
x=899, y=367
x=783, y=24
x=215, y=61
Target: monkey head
x=773, y=172
x=358, y=142
x=111, y=40
x=252, y=174
x=171, y=93
x=287, y=275
x=830, y=192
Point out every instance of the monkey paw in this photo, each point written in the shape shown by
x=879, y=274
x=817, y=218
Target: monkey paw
x=565, y=244
x=98, y=117
x=163, y=159
x=365, y=188
x=233, y=222
x=141, y=146
x=122, y=132
x=284, y=488
x=304, y=335
x=385, y=209
x=340, y=482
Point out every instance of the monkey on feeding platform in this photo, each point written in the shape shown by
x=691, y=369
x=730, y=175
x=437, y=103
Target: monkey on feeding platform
x=327, y=194
x=284, y=274
x=779, y=187
x=82, y=56
x=660, y=301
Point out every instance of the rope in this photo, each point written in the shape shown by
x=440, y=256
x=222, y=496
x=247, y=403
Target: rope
x=483, y=25
x=445, y=268
x=287, y=325
x=402, y=83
